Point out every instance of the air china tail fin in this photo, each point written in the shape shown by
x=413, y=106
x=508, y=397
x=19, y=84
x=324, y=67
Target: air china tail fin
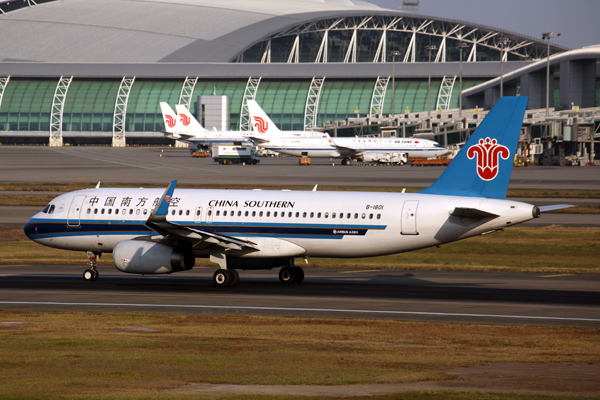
x=483, y=166
x=169, y=118
x=187, y=120
x=261, y=123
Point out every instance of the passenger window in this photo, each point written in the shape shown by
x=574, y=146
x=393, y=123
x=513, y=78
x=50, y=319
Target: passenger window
x=180, y=212
x=364, y=216
x=326, y=215
x=254, y=213
x=145, y=212
x=95, y=211
x=341, y=215
x=297, y=214
x=274, y=214
x=355, y=216
x=268, y=213
x=260, y=214
x=89, y=210
x=232, y=213
x=102, y=211
x=378, y=216
x=110, y=210
x=117, y=211
x=290, y=214
x=124, y=211
x=172, y=212
x=136, y=211
x=348, y=216
x=370, y=216
x=239, y=213
x=224, y=213
x=312, y=214
x=246, y=214
x=209, y=213
x=131, y=211
x=318, y=215
x=218, y=213
x=187, y=212
x=197, y=213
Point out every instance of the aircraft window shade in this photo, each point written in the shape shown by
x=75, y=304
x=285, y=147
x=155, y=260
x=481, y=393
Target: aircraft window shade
x=51, y=209
x=275, y=214
x=370, y=216
x=124, y=211
x=260, y=214
x=355, y=216
x=224, y=213
x=246, y=214
x=137, y=212
x=254, y=213
x=318, y=215
x=102, y=211
x=268, y=213
x=110, y=210
x=326, y=215
x=378, y=216
x=218, y=213
x=304, y=215
x=364, y=216
x=312, y=214
x=89, y=210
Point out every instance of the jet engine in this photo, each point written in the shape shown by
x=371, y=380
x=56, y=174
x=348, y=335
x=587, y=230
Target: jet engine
x=139, y=257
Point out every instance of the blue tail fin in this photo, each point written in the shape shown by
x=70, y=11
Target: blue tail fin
x=483, y=166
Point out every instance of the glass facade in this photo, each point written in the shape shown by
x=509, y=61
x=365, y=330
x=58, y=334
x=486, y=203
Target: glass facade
x=90, y=105
x=27, y=104
x=143, y=108
x=284, y=102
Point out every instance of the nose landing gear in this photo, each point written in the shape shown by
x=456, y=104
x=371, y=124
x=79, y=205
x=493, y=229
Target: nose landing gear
x=92, y=274
x=291, y=274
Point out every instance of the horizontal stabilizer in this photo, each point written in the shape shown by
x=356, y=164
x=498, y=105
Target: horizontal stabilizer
x=463, y=212
x=555, y=207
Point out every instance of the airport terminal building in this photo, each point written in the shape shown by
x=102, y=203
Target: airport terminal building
x=94, y=71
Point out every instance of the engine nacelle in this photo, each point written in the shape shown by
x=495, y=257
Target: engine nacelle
x=139, y=257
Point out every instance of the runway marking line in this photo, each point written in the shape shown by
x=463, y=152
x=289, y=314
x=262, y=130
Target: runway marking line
x=357, y=272
x=554, y=276
x=57, y=303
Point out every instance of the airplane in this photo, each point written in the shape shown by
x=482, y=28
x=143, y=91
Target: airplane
x=180, y=127
x=155, y=231
x=321, y=145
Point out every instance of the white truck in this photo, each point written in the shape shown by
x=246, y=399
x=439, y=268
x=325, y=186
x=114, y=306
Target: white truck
x=236, y=154
x=385, y=158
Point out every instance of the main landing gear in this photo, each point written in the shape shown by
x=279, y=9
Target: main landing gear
x=92, y=274
x=291, y=274
x=226, y=277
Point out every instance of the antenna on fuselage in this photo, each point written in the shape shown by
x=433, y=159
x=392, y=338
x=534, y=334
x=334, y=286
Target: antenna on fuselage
x=315, y=188
x=98, y=185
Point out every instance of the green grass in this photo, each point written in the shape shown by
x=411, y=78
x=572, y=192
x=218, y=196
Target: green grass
x=107, y=355
x=552, y=249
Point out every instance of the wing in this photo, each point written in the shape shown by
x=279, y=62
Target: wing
x=157, y=221
x=344, y=150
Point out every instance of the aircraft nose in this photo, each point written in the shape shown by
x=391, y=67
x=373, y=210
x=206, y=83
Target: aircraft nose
x=30, y=229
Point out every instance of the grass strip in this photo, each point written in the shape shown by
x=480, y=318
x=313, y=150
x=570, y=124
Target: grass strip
x=112, y=355
x=552, y=249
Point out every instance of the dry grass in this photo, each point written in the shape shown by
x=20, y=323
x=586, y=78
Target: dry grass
x=553, y=249
x=100, y=355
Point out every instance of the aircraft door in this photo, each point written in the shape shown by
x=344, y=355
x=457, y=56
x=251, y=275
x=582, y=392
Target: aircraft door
x=198, y=215
x=209, y=214
x=75, y=211
x=409, y=217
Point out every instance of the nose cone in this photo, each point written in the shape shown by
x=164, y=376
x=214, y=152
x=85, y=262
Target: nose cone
x=32, y=228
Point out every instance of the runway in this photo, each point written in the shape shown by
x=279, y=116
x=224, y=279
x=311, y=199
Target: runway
x=436, y=296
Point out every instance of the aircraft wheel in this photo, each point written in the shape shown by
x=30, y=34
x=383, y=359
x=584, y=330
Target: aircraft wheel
x=222, y=278
x=286, y=275
x=90, y=275
x=235, y=277
x=298, y=274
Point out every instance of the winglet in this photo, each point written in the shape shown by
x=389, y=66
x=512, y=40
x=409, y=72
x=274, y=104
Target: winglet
x=160, y=211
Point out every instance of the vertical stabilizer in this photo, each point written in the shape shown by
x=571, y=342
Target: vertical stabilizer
x=483, y=166
x=261, y=123
x=187, y=121
x=169, y=118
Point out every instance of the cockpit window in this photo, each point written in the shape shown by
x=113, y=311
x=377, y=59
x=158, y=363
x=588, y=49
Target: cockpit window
x=45, y=210
x=51, y=210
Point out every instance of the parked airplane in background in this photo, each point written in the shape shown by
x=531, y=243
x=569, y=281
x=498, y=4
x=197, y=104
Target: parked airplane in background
x=317, y=144
x=155, y=231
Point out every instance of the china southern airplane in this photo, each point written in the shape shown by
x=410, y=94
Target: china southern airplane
x=319, y=145
x=155, y=231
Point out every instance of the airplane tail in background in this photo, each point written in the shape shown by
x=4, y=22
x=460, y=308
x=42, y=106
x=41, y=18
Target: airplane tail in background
x=261, y=123
x=169, y=118
x=483, y=166
x=187, y=121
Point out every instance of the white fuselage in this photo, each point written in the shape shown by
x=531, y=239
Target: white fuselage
x=281, y=223
x=342, y=147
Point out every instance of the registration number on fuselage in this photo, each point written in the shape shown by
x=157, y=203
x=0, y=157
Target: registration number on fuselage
x=374, y=207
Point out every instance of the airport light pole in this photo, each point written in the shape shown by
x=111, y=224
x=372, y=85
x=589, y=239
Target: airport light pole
x=503, y=42
x=460, y=46
x=429, y=48
x=394, y=54
x=547, y=36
